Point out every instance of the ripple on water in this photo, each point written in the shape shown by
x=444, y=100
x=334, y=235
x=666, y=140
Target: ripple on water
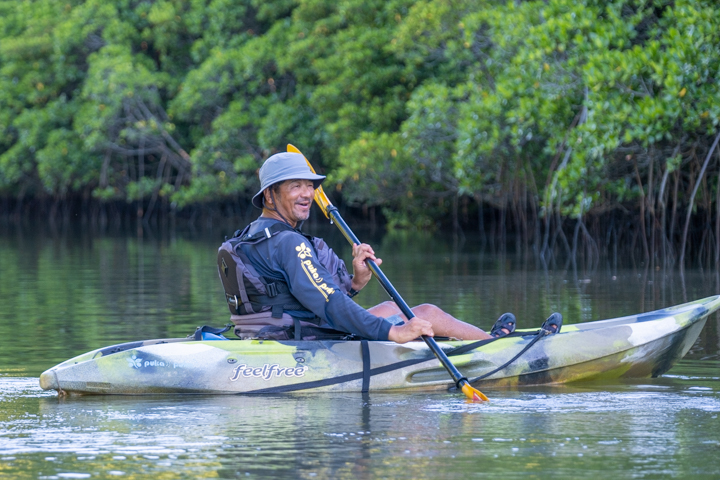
x=150, y=435
x=14, y=387
x=660, y=402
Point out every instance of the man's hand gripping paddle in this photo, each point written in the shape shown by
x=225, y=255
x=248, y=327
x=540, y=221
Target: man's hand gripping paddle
x=332, y=213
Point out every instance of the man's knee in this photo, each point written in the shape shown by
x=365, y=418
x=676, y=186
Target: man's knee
x=389, y=304
x=384, y=309
x=426, y=310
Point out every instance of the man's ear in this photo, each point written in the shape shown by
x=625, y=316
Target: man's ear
x=266, y=195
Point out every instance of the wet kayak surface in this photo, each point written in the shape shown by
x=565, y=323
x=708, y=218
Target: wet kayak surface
x=667, y=426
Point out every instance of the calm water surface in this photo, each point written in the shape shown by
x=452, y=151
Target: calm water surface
x=67, y=293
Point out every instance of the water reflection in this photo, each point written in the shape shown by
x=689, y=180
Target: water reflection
x=661, y=428
x=65, y=295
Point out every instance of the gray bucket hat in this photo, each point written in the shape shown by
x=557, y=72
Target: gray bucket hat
x=284, y=166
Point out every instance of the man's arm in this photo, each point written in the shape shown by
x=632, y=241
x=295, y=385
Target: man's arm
x=314, y=288
x=362, y=274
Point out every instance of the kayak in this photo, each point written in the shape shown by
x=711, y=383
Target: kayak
x=637, y=346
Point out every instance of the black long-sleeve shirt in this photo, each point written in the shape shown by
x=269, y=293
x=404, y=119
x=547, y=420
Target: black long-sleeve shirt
x=290, y=258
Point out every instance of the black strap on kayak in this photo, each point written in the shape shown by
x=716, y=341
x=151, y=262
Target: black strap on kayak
x=472, y=346
x=540, y=334
x=396, y=366
x=298, y=329
x=340, y=379
x=366, y=365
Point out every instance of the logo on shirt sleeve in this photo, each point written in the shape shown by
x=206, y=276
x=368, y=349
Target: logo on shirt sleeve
x=305, y=255
x=304, y=251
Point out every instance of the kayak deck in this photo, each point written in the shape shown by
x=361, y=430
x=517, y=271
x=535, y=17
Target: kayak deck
x=636, y=346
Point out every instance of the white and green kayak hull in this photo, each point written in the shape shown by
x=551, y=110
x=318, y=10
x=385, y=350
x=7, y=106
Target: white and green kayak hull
x=636, y=346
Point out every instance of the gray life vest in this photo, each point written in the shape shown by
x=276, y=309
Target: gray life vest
x=258, y=304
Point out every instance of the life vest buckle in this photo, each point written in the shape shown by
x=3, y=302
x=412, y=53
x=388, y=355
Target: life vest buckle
x=232, y=300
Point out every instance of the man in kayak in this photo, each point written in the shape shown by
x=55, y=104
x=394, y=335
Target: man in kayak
x=316, y=280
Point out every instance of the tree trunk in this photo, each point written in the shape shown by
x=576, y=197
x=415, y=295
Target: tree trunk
x=717, y=224
x=663, y=208
x=481, y=220
x=651, y=208
x=692, y=202
x=642, y=214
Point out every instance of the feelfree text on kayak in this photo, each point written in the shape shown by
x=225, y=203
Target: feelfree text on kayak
x=267, y=371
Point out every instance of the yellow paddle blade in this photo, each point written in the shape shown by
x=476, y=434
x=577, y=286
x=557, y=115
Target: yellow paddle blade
x=474, y=394
x=320, y=198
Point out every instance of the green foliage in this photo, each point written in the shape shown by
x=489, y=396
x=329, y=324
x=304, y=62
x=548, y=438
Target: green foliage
x=406, y=104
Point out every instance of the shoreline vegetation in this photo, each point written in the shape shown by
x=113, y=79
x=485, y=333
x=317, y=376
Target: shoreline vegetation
x=565, y=128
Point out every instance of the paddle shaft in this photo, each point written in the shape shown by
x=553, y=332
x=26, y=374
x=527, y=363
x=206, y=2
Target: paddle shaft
x=332, y=213
x=335, y=216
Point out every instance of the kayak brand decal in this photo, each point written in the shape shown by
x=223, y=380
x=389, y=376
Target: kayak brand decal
x=310, y=270
x=267, y=371
x=134, y=361
x=139, y=363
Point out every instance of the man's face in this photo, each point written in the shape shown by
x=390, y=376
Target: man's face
x=293, y=199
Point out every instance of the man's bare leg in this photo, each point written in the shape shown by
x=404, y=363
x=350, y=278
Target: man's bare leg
x=444, y=324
